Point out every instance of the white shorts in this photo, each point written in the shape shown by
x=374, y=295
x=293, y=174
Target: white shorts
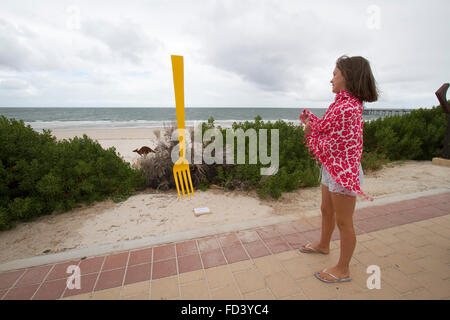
x=333, y=186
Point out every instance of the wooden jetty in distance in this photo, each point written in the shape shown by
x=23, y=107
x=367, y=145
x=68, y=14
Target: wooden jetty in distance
x=386, y=112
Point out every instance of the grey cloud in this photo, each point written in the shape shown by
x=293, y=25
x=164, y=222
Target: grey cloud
x=126, y=40
x=14, y=54
x=272, y=46
x=13, y=84
x=23, y=51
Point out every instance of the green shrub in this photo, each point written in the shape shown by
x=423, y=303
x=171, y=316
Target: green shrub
x=39, y=175
x=296, y=168
x=418, y=135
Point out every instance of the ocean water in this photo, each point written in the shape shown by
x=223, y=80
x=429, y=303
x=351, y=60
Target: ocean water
x=90, y=118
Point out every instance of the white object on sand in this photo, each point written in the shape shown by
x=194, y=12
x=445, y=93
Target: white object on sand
x=200, y=211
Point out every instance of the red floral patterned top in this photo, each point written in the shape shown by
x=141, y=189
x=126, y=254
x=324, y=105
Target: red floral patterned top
x=336, y=140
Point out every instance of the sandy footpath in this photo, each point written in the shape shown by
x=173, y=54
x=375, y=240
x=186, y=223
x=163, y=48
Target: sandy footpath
x=151, y=213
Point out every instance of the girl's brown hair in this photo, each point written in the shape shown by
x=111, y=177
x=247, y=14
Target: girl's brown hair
x=359, y=79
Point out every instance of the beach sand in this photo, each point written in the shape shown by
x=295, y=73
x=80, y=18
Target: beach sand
x=152, y=213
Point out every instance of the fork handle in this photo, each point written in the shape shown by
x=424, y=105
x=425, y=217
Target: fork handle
x=178, y=82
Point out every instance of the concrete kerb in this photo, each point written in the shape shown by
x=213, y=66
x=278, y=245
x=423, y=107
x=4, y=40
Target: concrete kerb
x=190, y=234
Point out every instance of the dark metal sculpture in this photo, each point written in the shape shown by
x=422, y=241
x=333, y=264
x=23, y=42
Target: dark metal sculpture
x=441, y=94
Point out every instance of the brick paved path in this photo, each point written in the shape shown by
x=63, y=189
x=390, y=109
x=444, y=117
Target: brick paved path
x=409, y=240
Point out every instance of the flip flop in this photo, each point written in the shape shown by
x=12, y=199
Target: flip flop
x=311, y=249
x=336, y=279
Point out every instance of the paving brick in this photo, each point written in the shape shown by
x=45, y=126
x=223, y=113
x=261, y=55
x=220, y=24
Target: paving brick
x=315, y=289
x=189, y=263
x=256, y=249
x=165, y=268
x=115, y=261
x=297, y=268
x=437, y=252
x=412, y=239
x=191, y=276
x=228, y=292
x=21, y=293
x=437, y=229
x=441, y=270
x=438, y=288
x=197, y=290
x=91, y=265
x=140, y=256
x=247, y=236
x=235, y=253
x=241, y=265
x=312, y=236
x=368, y=258
x=368, y=225
x=110, y=279
x=164, y=252
x=140, y=296
x=287, y=255
x=7, y=279
x=107, y=294
x=268, y=265
x=377, y=247
x=50, y=290
x=444, y=206
x=249, y=280
x=386, y=292
x=419, y=294
x=404, y=265
x=229, y=240
x=417, y=230
x=277, y=245
x=186, y=248
x=85, y=296
x=385, y=237
x=208, y=244
x=316, y=222
x=219, y=276
x=285, y=228
x=213, y=258
x=303, y=225
x=164, y=289
x=295, y=240
x=138, y=273
x=281, y=285
x=263, y=294
x=267, y=232
x=34, y=275
x=399, y=281
x=297, y=296
x=136, y=289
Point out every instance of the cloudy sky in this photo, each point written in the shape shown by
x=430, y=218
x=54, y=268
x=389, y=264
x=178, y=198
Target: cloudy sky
x=240, y=53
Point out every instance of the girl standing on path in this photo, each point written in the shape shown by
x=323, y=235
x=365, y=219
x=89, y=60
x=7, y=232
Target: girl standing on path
x=336, y=142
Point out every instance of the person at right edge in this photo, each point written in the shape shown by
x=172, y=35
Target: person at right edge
x=336, y=142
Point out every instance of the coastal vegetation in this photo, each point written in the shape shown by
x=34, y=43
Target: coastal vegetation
x=40, y=175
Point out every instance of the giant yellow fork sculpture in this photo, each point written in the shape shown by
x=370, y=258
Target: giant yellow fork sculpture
x=181, y=167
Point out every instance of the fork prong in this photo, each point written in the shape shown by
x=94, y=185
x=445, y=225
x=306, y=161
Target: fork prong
x=190, y=182
x=185, y=182
x=176, y=183
x=181, y=183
